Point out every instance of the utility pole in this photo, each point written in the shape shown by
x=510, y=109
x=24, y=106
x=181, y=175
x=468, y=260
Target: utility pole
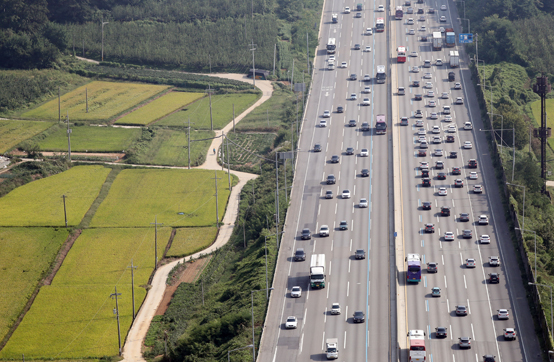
x=83, y=48
x=133, y=267
x=292, y=76
x=253, y=63
x=188, y=142
x=234, y=118
x=103, y=23
x=64, y=210
x=542, y=87
x=210, y=58
x=277, y=190
x=211, y=118
x=228, y=161
x=59, y=107
x=216, y=201
x=68, y=138
x=274, y=57
x=307, y=52
x=156, y=241
x=86, y=97
x=116, y=312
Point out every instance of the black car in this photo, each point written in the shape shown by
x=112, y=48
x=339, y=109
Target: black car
x=300, y=255
x=317, y=147
x=359, y=316
x=431, y=11
x=356, y=46
x=429, y=228
x=441, y=176
x=441, y=332
x=426, y=205
x=424, y=173
x=331, y=180
x=426, y=182
x=335, y=159
x=306, y=234
x=418, y=97
x=340, y=109
x=453, y=154
x=424, y=38
x=445, y=211
x=420, y=11
x=449, y=138
x=464, y=216
x=494, y=278
x=365, y=172
x=360, y=254
x=456, y=171
x=489, y=358
x=349, y=151
x=415, y=83
x=472, y=163
x=365, y=127
x=451, y=77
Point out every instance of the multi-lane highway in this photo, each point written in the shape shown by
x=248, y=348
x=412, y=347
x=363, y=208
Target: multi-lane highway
x=369, y=285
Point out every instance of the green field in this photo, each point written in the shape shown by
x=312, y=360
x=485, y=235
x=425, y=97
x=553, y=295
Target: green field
x=25, y=256
x=222, y=111
x=40, y=203
x=74, y=317
x=269, y=115
x=188, y=241
x=256, y=143
x=536, y=108
x=105, y=101
x=169, y=147
x=159, y=108
x=137, y=196
x=91, y=139
x=14, y=132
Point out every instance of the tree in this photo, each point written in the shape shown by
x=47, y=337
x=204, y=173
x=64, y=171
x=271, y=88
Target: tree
x=23, y=15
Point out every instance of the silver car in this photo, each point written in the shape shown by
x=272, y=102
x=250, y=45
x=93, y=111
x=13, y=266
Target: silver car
x=296, y=292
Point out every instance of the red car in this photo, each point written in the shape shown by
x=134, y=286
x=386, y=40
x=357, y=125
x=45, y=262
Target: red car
x=472, y=163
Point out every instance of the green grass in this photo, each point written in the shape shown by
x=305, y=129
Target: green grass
x=13, y=132
x=256, y=143
x=25, y=256
x=169, y=147
x=105, y=101
x=159, y=108
x=188, y=241
x=91, y=139
x=40, y=203
x=137, y=196
x=274, y=110
x=222, y=111
x=536, y=108
x=73, y=317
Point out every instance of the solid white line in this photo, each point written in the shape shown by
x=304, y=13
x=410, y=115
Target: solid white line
x=304, y=320
x=445, y=285
x=302, y=339
x=344, y=340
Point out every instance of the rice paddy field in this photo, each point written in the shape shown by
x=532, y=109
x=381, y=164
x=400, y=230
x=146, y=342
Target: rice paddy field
x=159, y=108
x=40, y=203
x=105, y=101
x=188, y=241
x=13, y=132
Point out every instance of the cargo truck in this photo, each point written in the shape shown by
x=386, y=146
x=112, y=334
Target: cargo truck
x=450, y=40
x=454, y=59
x=381, y=76
x=332, y=348
x=437, y=40
x=417, y=346
x=317, y=271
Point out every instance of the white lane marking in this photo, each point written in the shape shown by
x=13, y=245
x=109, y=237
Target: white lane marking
x=445, y=285
x=348, y=289
x=319, y=208
x=448, y=305
x=465, y=283
x=344, y=340
x=468, y=307
x=346, y=314
x=349, y=262
x=350, y=244
x=472, y=332
x=442, y=257
x=304, y=320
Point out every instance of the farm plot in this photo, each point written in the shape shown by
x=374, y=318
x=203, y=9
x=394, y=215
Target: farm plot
x=40, y=203
x=13, y=132
x=176, y=197
x=105, y=101
x=222, y=111
x=280, y=108
x=188, y=241
x=159, y=108
x=169, y=147
x=91, y=139
x=250, y=145
x=73, y=317
x=25, y=256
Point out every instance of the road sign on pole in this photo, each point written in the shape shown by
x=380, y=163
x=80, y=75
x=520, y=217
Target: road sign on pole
x=466, y=38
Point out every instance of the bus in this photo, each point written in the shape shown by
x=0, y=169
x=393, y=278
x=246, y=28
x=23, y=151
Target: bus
x=399, y=13
x=331, y=46
x=380, y=25
x=381, y=76
x=417, y=346
x=401, y=58
x=413, y=275
x=380, y=124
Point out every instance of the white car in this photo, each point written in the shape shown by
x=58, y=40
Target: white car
x=457, y=86
x=442, y=19
x=367, y=49
x=419, y=123
x=380, y=8
x=485, y=239
x=427, y=76
x=411, y=32
x=449, y=236
x=437, y=139
x=483, y=220
x=347, y=10
x=423, y=28
x=421, y=131
x=413, y=54
x=345, y=194
x=436, y=129
x=326, y=114
x=422, y=139
x=367, y=90
x=439, y=62
x=410, y=21
x=432, y=103
x=423, y=165
x=324, y=230
x=468, y=126
x=442, y=191
x=367, y=78
x=473, y=175
x=364, y=152
x=452, y=128
x=415, y=69
x=363, y=203
x=443, y=7
x=431, y=94
x=335, y=309
x=353, y=96
x=503, y=314
x=332, y=58
x=494, y=261
x=468, y=145
x=291, y=322
x=322, y=123
x=448, y=118
x=366, y=102
x=434, y=115
x=296, y=292
x=444, y=95
x=438, y=152
x=477, y=189
x=368, y=31
x=470, y=263
x=343, y=65
x=429, y=85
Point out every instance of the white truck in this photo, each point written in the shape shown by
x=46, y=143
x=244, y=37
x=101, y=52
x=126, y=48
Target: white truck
x=332, y=348
x=437, y=40
x=317, y=271
x=417, y=346
x=454, y=59
x=381, y=76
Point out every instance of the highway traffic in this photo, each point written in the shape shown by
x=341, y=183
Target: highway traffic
x=342, y=168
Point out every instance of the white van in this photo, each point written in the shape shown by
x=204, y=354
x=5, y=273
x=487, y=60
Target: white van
x=446, y=109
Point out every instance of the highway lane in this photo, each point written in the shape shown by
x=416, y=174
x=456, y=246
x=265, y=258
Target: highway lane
x=352, y=283
x=460, y=285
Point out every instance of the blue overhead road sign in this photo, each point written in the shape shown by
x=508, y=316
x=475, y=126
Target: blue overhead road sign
x=466, y=38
